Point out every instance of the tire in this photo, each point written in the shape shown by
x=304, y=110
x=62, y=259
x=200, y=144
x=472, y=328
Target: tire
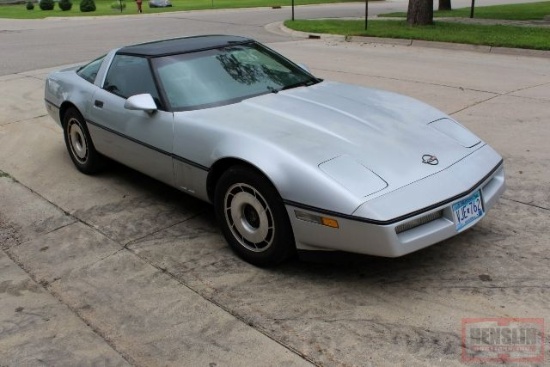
x=79, y=143
x=252, y=217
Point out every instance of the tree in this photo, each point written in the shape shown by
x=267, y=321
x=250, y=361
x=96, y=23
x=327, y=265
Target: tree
x=87, y=6
x=444, y=5
x=46, y=4
x=420, y=12
x=65, y=5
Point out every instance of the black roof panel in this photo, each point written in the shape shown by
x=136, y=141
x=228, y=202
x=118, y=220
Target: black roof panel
x=182, y=45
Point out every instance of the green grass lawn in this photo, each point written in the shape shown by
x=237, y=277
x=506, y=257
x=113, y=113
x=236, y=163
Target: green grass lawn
x=532, y=11
x=104, y=7
x=497, y=35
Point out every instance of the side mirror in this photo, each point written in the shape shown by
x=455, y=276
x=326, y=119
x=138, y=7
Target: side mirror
x=141, y=102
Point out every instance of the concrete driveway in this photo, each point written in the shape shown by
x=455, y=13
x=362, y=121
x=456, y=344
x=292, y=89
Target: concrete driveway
x=117, y=269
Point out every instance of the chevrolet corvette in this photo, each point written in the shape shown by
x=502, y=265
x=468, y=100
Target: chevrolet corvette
x=289, y=161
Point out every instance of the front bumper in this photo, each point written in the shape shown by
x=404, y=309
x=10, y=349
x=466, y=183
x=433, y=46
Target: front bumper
x=398, y=236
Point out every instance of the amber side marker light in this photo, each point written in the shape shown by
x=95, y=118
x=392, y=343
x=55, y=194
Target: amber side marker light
x=325, y=221
x=329, y=222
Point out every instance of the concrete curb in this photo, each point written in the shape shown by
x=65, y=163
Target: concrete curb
x=279, y=27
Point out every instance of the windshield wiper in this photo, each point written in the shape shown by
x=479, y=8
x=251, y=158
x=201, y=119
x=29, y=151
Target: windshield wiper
x=305, y=83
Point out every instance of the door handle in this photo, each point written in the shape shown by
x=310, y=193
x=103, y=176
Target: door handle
x=98, y=103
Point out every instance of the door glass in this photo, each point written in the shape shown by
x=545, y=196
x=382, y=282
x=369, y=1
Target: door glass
x=130, y=75
x=89, y=71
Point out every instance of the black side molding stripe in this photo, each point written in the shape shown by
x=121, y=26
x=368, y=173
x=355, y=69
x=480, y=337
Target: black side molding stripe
x=51, y=103
x=149, y=146
x=191, y=163
x=398, y=219
x=129, y=138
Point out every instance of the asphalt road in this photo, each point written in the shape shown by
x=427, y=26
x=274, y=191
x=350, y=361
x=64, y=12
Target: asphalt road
x=35, y=44
x=118, y=270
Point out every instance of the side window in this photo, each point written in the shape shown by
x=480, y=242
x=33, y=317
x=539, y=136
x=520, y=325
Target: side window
x=89, y=71
x=130, y=75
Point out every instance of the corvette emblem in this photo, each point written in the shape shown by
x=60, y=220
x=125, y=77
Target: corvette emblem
x=430, y=159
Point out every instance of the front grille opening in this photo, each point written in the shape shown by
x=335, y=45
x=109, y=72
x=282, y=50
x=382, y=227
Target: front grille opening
x=418, y=221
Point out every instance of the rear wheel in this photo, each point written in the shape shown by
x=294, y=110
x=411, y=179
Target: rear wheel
x=253, y=218
x=79, y=143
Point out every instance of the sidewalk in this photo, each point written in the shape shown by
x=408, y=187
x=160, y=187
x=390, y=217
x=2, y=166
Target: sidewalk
x=478, y=21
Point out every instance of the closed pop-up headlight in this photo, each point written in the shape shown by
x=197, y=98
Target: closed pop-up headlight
x=456, y=132
x=356, y=178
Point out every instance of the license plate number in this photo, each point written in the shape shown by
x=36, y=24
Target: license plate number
x=467, y=210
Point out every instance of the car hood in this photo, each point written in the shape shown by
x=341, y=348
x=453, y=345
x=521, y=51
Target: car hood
x=386, y=133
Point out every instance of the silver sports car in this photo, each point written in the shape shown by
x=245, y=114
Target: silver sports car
x=290, y=161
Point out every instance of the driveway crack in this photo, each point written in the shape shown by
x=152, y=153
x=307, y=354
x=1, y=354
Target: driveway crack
x=509, y=93
x=47, y=287
x=524, y=203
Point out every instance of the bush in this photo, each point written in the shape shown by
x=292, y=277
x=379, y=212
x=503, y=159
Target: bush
x=65, y=5
x=117, y=4
x=30, y=5
x=46, y=4
x=87, y=6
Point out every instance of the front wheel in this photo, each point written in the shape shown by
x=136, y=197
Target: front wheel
x=79, y=143
x=252, y=217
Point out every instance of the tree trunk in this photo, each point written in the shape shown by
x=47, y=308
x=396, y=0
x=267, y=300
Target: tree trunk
x=420, y=12
x=444, y=5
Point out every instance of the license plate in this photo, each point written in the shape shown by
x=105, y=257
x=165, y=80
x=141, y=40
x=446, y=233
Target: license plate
x=467, y=210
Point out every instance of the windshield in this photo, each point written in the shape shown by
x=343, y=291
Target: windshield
x=225, y=75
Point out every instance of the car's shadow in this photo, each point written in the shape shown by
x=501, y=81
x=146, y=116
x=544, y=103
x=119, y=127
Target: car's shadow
x=325, y=298
x=441, y=260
